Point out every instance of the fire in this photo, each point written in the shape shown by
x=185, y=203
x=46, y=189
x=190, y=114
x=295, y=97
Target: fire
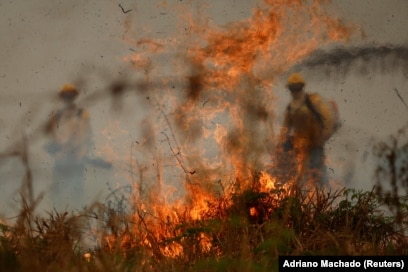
x=267, y=182
x=253, y=212
x=210, y=133
x=172, y=250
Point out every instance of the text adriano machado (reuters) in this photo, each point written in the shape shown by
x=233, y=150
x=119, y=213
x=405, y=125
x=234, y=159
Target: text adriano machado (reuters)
x=349, y=263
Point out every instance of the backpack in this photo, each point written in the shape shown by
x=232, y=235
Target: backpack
x=332, y=106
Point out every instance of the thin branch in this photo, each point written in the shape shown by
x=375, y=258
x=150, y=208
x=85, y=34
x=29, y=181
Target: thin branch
x=400, y=97
x=123, y=10
x=176, y=155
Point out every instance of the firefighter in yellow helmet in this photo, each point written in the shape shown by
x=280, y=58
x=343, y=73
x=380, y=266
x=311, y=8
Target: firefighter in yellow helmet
x=70, y=132
x=308, y=123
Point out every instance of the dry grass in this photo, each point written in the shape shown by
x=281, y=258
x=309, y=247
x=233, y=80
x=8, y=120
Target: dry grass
x=231, y=238
x=246, y=231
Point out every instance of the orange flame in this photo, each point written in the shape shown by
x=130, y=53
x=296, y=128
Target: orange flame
x=213, y=138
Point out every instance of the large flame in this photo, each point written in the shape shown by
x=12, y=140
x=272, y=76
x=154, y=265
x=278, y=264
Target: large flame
x=210, y=133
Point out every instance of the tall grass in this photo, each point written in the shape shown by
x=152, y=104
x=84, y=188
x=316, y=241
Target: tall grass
x=299, y=222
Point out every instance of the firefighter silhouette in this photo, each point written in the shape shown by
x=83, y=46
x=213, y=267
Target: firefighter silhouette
x=308, y=124
x=71, y=140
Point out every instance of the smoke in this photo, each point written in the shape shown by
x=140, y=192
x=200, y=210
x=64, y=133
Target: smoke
x=366, y=59
x=381, y=68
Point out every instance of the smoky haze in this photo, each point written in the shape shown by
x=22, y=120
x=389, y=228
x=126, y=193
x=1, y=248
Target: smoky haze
x=48, y=44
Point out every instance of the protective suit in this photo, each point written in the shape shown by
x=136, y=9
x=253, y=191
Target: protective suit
x=308, y=123
x=71, y=136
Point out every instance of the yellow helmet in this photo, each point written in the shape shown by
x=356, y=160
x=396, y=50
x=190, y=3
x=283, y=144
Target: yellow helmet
x=295, y=78
x=68, y=91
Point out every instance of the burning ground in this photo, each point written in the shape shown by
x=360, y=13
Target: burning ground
x=198, y=169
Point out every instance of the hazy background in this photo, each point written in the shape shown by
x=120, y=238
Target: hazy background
x=45, y=44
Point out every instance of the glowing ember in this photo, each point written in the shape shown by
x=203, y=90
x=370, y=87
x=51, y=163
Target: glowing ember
x=253, y=212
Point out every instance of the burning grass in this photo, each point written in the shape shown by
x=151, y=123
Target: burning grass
x=215, y=228
x=196, y=203
x=244, y=232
